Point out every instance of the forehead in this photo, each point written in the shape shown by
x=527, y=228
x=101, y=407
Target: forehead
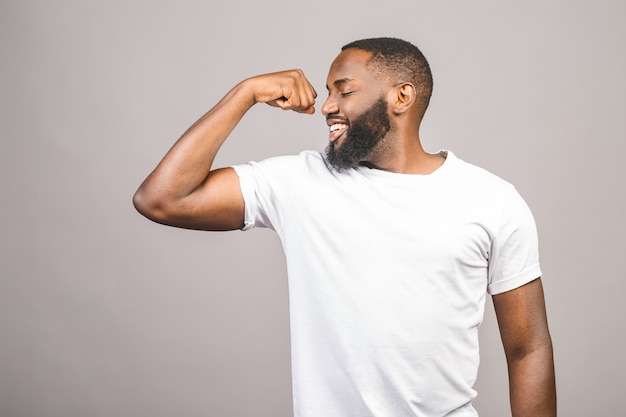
x=350, y=64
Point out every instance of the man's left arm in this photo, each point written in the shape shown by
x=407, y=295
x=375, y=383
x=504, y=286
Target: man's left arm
x=528, y=348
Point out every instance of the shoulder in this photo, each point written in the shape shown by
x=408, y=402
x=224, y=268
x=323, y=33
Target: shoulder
x=487, y=192
x=479, y=183
x=468, y=172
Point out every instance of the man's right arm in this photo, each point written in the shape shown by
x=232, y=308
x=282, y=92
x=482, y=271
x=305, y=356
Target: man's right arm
x=184, y=190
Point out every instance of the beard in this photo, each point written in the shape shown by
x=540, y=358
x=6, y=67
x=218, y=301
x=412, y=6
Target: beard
x=362, y=136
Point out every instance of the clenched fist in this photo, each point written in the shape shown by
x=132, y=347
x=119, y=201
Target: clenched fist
x=289, y=90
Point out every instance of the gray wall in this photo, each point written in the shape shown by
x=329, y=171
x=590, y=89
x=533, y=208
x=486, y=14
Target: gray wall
x=103, y=313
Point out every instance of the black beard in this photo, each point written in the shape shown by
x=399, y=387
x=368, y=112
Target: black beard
x=362, y=136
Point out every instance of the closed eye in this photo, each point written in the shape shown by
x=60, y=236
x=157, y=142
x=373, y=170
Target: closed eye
x=347, y=93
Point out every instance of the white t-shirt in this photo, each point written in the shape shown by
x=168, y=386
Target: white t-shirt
x=388, y=275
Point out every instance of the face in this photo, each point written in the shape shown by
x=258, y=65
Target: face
x=356, y=111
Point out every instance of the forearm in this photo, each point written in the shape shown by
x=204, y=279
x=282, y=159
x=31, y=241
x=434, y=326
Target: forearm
x=188, y=163
x=532, y=382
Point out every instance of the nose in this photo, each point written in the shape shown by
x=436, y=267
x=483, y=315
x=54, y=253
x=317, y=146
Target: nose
x=329, y=106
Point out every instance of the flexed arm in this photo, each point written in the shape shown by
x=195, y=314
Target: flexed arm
x=183, y=190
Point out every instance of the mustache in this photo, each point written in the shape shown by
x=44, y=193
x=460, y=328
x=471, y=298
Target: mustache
x=334, y=118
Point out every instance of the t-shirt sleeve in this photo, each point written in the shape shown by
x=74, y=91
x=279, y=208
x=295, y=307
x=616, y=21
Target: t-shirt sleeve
x=266, y=186
x=514, y=259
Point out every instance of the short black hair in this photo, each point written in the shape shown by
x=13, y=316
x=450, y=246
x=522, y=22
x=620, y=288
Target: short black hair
x=401, y=61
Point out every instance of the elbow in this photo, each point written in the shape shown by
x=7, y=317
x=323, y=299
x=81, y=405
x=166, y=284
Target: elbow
x=520, y=353
x=149, y=205
x=160, y=207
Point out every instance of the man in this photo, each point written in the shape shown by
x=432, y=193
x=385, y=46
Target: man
x=390, y=250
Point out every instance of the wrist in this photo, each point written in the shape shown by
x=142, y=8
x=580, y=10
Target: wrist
x=246, y=90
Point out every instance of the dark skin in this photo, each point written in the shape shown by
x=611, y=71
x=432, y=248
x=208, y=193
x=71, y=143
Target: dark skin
x=528, y=348
x=185, y=191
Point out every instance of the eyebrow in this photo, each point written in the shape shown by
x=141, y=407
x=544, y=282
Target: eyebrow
x=338, y=83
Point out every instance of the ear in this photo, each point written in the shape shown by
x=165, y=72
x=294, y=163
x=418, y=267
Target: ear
x=404, y=97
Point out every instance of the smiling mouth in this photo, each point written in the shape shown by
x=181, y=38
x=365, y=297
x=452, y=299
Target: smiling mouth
x=335, y=130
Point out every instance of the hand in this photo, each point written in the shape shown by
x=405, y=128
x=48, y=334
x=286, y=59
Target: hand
x=288, y=90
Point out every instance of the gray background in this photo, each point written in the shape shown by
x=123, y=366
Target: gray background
x=103, y=313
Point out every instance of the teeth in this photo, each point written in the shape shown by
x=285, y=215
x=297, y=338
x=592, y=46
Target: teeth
x=337, y=126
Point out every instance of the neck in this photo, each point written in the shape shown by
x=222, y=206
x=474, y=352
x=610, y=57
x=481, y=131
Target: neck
x=404, y=155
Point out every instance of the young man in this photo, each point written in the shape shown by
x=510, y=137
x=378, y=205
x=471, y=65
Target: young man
x=390, y=251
